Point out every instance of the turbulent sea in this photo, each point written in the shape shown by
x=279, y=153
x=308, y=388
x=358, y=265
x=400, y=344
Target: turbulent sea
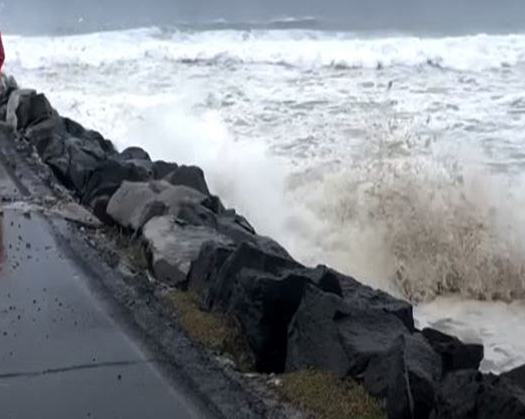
x=398, y=159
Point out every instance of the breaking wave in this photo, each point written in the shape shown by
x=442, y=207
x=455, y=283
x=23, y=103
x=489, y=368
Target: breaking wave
x=283, y=23
x=304, y=153
x=298, y=48
x=430, y=226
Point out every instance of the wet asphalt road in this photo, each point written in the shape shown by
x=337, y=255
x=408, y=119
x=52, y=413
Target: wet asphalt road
x=63, y=354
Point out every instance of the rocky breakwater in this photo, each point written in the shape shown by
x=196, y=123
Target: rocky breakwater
x=292, y=317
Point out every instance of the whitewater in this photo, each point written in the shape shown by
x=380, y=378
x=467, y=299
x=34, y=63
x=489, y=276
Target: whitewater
x=395, y=158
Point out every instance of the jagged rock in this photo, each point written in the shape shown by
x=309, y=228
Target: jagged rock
x=326, y=279
x=406, y=376
x=135, y=203
x=205, y=268
x=135, y=153
x=174, y=245
x=74, y=129
x=105, y=180
x=18, y=102
x=8, y=85
x=217, y=207
x=313, y=337
x=470, y=394
x=263, y=288
x=161, y=169
x=247, y=256
x=455, y=355
x=191, y=176
x=363, y=324
x=25, y=107
x=71, y=151
x=357, y=294
x=336, y=334
x=232, y=215
x=259, y=289
x=72, y=159
x=136, y=156
x=231, y=224
x=41, y=133
x=517, y=376
x=366, y=332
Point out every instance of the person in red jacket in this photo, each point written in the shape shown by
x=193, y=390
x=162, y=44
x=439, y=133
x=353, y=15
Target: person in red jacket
x=2, y=54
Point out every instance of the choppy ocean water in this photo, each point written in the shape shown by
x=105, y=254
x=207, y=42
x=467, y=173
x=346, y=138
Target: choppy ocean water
x=398, y=159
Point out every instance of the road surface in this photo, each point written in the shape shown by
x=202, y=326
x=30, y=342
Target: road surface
x=63, y=352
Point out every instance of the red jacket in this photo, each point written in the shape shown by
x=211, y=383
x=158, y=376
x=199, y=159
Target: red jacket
x=2, y=54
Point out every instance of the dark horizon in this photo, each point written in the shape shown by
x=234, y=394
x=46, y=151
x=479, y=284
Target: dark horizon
x=447, y=16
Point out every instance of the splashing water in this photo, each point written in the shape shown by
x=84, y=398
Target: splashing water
x=397, y=160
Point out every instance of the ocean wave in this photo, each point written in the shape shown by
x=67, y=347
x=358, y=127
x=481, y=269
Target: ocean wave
x=298, y=48
x=283, y=23
x=423, y=224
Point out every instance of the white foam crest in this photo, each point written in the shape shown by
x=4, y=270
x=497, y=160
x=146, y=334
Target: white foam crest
x=291, y=47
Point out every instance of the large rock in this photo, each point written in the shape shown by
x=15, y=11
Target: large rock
x=517, y=376
x=406, y=375
x=135, y=153
x=191, y=176
x=174, y=245
x=8, y=85
x=105, y=180
x=264, y=257
x=326, y=279
x=25, y=107
x=470, y=394
x=72, y=152
x=259, y=288
x=455, y=354
x=161, y=169
x=336, y=334
x=366, y=332
x=135, y=203
x=363, y=324
x=136, y=156
x=205, y=268
x=313, y=338
x=284, y=307
x=357, y=294
x=74, y=129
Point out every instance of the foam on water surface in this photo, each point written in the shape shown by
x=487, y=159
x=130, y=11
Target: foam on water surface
x=304, y=48
x=395, y=159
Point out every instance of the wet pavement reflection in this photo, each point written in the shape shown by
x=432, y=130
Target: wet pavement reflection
x=61, y=353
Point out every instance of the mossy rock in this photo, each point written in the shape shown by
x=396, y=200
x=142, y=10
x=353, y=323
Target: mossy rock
x=214, y=331
x=324, y=396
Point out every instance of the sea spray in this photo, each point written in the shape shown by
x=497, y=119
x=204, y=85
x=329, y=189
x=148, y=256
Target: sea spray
x=372, y=202
x=430, y=223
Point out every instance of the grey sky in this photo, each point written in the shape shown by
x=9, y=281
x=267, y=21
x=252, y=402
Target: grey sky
x=441, y=15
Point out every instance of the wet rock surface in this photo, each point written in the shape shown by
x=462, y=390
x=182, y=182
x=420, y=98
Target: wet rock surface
x=517, y=376
x=293, y=317
x=455, y=355
x=470, y=394
x=62, y=355
x=174, y=245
